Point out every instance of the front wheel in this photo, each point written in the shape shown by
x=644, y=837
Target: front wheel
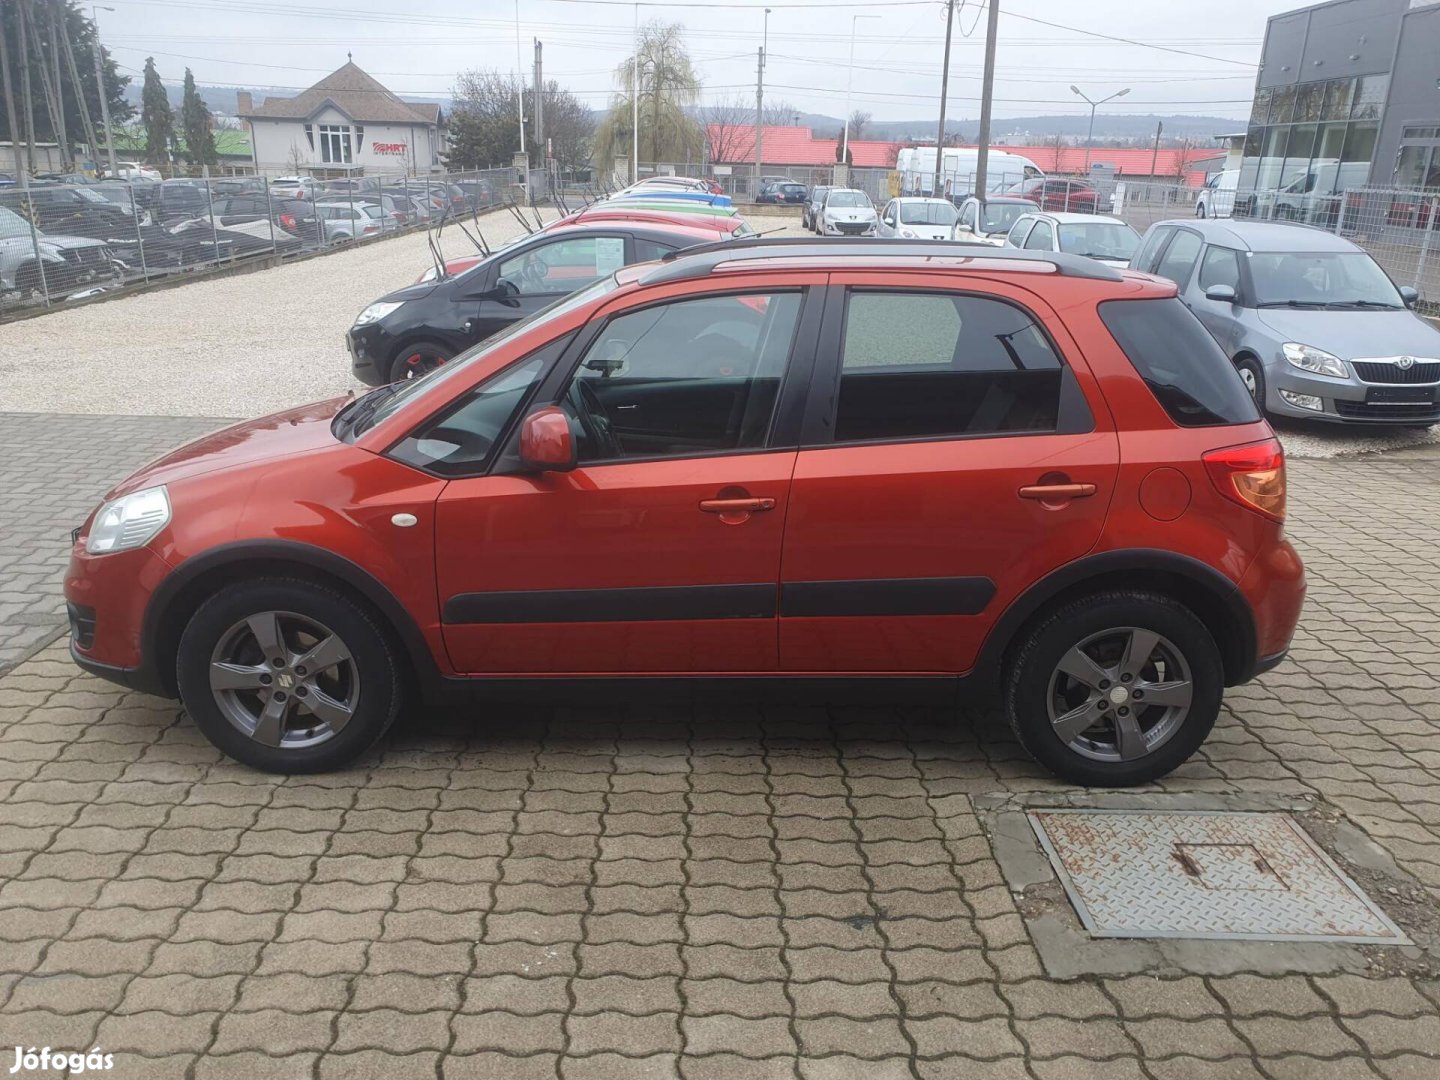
x=417, y=359
x=288, y=676
x=1115, y=689
x=1253, y=376
x=1200, y=210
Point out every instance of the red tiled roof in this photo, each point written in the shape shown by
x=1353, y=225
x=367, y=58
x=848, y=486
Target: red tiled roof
x=788, y=145
x=1131, y=162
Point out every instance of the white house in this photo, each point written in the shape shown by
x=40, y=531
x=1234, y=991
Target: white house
x=347, y=124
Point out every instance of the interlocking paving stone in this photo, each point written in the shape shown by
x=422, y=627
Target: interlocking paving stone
x=799, y=891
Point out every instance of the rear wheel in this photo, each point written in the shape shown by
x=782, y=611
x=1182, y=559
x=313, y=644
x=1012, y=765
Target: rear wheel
x=1115, y=689
x=1200, y=210
x=417, y=359
x=288, y=676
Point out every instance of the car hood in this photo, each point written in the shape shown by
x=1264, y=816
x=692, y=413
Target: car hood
x=266, y=438
x=850, y=213
x=60, y=243
x=418, y=291
x=1352, y=332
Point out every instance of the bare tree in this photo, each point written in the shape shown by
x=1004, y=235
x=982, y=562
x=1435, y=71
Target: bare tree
x=859, y=120
x=778, y=114
x=1055, y=144
x=729, y=128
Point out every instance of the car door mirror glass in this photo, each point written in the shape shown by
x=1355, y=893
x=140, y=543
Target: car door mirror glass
x=1410, y=295
x=1224, y=294
x=546, y=442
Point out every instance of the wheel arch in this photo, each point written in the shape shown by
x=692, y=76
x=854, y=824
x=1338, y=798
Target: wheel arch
x=1214, y=598
x=193, y=581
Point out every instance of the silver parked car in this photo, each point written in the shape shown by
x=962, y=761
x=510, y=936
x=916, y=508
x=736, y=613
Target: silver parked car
x=1312, y=323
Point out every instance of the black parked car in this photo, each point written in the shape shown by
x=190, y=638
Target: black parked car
x=174, y=200
x=787, y=192
x=414, y=330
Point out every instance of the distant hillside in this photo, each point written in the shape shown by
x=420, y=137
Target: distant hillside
x=221, y=99
x=1122, y=126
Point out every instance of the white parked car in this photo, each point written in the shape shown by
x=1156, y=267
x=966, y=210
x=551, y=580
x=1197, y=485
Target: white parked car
x=1217, y=197
x=294, y=187
x=988, y=221
x=918, y=219
x=1104, y=239
x=349, y=221
x=847, y=212
x=134, y=170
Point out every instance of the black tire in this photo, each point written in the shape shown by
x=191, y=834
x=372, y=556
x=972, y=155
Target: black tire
x=1253, y=375
x=27, y=281
x=374, y=700
x=1033, y=674
x=1200, y=211
x=418, y=358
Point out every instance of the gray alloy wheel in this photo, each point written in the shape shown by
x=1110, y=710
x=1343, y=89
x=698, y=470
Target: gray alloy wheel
x=1120, y=694
x=284, y=680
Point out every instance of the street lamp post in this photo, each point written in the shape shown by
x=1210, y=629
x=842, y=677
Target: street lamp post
x=95, y=10
x=1090, y=135
x=849, y=83
x=760, y=98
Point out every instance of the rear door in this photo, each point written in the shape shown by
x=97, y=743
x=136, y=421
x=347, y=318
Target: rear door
x=952, y=455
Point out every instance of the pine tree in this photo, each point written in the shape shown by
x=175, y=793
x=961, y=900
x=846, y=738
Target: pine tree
x=195, y=124
x=156, y=117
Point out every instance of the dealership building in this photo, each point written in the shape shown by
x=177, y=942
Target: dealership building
x=1348, y=94
x=347, y=124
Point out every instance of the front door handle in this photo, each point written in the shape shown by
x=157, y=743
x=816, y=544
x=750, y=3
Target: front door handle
x=1055, y=492
x=736, y=506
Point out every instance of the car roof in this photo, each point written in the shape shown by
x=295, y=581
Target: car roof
x=922, y=199
x=1263, y=235
x=1007, y=200
x=1061, y=217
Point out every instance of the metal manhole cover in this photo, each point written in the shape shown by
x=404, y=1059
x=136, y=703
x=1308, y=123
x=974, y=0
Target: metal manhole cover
x=1193, y=874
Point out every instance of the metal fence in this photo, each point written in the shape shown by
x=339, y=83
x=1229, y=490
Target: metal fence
x=61, y=242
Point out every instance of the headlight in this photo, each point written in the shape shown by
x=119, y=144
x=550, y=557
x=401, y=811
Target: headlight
x=375, y=312
x=1316, y=361
x=129, y=521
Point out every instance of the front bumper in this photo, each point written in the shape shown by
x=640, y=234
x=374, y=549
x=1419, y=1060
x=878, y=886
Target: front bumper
x=368, y=354
x=849, y=228
x=106, y=597
x=1350, y=401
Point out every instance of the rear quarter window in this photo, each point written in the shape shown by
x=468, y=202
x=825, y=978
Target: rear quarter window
x=1180, y=362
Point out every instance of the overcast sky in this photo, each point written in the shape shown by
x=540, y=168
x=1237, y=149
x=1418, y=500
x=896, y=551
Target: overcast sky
x=416, y=47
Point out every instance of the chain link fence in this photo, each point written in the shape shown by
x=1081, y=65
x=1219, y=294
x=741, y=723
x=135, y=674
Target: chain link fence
x=62, y=242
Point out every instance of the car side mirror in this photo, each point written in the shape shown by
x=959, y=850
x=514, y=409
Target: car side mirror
x=1225, y=294
x=1410, y=295
x=546, y=442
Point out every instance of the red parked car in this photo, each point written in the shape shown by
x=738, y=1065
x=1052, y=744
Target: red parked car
x=763, y=459
x=1068, y=196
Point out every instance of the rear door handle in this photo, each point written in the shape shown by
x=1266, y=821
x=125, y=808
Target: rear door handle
x=1052, y=492
x=736, y=506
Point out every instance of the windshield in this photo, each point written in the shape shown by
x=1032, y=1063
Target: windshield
x=1099, y=239
x=12, y=224
x=416, y=388
x=1320, y=278
x=847, y=198
x=998, y=217
x=927, y=213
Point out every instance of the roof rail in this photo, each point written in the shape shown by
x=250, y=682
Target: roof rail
x=701, y=259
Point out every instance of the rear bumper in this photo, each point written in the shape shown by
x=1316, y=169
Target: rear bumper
x=1274, y=588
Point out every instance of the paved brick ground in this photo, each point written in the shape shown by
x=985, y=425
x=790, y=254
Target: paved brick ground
x=53, y=469
x=786, y=892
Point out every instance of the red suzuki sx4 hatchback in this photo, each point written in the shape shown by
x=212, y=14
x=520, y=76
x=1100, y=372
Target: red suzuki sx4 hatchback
x=759, y=460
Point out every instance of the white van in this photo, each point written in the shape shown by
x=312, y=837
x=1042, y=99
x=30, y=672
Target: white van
x=1217, y=197
x=916, y=165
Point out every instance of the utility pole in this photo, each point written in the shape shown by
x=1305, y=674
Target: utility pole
x=987, y=95
x=520, y=86
x=85, y=123
x=540, y=104
x=635, y=104
x=57, y=116
x=10, y=118
x=760, y=99
x=26, y=97
x=849, y=84
x=1155, y=153
x=104, y=97
x=944, y=89
x=67, y=149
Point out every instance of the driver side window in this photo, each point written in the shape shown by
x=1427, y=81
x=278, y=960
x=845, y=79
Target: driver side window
x=566, y=265
x=967, y=216
x=684, y=378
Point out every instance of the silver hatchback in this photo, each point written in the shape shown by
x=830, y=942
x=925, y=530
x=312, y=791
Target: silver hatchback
x=1313, y=325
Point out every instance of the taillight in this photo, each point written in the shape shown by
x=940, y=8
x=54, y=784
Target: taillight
x=287, y=221
x=1252, y=475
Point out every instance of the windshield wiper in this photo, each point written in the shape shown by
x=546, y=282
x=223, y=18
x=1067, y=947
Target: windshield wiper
x=1292, y=303
x=1364, y=304
x=362, y=408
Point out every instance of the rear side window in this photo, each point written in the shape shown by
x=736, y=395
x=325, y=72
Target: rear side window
x=1179, y=257
x=1180, y=362
x=1153, y=241
x=937, y=365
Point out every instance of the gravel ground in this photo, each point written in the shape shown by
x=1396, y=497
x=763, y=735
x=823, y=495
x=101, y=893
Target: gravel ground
x=252, y=344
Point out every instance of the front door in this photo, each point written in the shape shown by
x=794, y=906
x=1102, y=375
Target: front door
x=535, y=277
x=660, y=552
x=950, y=459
